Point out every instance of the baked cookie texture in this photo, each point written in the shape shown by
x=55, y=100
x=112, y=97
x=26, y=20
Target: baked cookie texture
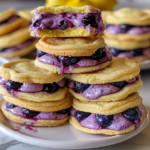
x=38, y=123
x=71, y=46
x=129, y=15
x=37, y=96
x=8, y=27
x=122, y=94
x=20, y=52
x=15, y=38
x=108, y=108
x=120, y=69
x=56, y=70
x=24, y=71
x=47, y=106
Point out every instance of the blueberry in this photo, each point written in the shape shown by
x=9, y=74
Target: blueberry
x=100, y=53
x=115, y=51
x=120, y=84
x=90, y=20
x=104, y=120
x=37, y=23
x=107, y=25
x=63, y=111
x=10, y=106
x=80, y=87
x=131, y=114
x=66, y=61
x=63, y=25
x=29, y=113
x=51, y=87
x=10, y=85
x=125, y=27
x=80, y=115
x=40, y=53
x=137, y=52
x=2, y=49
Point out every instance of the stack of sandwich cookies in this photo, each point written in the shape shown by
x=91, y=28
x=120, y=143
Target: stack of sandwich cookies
x=127, y=33
x=63, y=21
x=72, y=55
x=33, y=94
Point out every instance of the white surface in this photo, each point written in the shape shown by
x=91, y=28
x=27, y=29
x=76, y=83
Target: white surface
x=67, y=136
x=144, y=64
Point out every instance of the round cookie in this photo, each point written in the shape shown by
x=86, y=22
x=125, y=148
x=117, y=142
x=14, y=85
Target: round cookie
x=22, y=79
x=113, y=83
x=134, y=50
x=14, y=38
x=95, y=119
x=7, y=24
x=71, y=46
x=47, y=114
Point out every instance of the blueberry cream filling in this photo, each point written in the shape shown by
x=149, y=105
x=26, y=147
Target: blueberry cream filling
x=14, y=87
x=17, y=47
x=129, y=53
x=119, y=121
x=66, y=64
x=128, y=29
x=9, y=20
x=63, y=21
x=94, y=91
x=29, y=114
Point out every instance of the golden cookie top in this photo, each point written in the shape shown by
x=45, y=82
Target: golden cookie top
x=62, y=9
x=107, y=108
x=7, y=14
x=24, y=71
x=120, y=69
x=14, y=38
x=70, y=46
x=128, y=16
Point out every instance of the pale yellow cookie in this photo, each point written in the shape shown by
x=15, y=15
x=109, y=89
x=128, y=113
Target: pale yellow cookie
x=20, y=52
x=71, y=46
x=8, y=27
x=120, y=69
x=129, y=15
x=55, y=69
x=37, y=96
x=14, y=38
x=108, y=108
x=47, y=106
x=122, y=94
x=24, y=71
x=104, y=15
x=38, y=123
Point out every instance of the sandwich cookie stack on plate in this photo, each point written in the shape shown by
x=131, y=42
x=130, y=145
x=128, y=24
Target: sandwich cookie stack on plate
x=106, y=101
x=15, y=39
x=127, y=33
x=33, y=96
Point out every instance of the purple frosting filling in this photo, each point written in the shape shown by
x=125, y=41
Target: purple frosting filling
x=95, y=91
x=52, y=21
x=30, y=87
x=115, y=29
x=10, y=20
x=83, y=62
x=119, y=121
x=18, y=47
x=42, y=115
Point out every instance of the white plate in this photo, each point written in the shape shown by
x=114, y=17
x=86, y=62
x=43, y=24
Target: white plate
x=144, y=64
x=63, y=137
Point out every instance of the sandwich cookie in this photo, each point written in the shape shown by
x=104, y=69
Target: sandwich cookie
x=72, y=55
x=107, y=118
x=45, y=114
x=134, y=50
x=22, y=79
x=128, y=24
x=9, y=21
x=63, y=21
x=113, y=83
